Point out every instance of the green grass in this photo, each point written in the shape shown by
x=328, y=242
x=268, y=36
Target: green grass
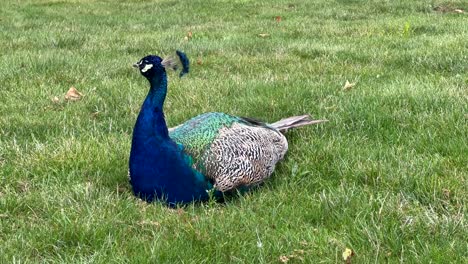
x=386, y=177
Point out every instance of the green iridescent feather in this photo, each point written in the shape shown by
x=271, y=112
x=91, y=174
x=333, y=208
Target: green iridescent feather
x=197, y=134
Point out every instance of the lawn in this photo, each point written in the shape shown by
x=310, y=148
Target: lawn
x=386, y=177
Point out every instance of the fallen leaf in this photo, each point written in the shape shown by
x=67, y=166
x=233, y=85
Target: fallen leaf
x=348, y=85
x=55, y=100
x=278, y=19
x=188, y=36
x=284, y=259
x=459, y=11
x=199, y=61
x=73, y=94
x=347, y=254
x=263, y=35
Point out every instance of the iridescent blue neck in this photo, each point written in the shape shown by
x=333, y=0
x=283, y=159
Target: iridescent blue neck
x=158, y=90
x=158, y=166
x=151, y=118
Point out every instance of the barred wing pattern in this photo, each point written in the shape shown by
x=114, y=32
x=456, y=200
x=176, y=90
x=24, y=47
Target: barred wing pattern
x=231, y=151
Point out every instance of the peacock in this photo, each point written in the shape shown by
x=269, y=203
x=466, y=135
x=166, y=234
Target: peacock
x=208, y=155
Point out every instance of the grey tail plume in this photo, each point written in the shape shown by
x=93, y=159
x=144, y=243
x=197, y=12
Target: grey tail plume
x=295, y=121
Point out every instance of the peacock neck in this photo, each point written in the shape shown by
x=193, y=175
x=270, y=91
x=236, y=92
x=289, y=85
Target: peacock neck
x=151, y=120
x=157, y=166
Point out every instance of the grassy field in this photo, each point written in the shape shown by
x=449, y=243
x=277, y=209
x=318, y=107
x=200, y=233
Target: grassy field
x=386, y=177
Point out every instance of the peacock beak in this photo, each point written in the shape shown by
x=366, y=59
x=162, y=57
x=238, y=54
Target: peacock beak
x=136, y=65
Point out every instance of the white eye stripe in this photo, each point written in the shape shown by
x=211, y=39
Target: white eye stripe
x=147, y=67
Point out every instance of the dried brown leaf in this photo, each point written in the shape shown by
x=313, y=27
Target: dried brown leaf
x=347, y=255
x=73, y=94
x=278, y=19
x=55, y=100
x=284, y=259
x=188, y=36
x=348, y=86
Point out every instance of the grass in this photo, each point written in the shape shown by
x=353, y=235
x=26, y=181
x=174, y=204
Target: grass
x=386, y=177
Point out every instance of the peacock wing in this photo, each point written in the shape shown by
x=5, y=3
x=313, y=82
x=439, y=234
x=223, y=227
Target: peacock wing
x=197, y=134
x=232, y=151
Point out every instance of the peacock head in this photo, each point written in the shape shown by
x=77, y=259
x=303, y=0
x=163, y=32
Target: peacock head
x=152, y=65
